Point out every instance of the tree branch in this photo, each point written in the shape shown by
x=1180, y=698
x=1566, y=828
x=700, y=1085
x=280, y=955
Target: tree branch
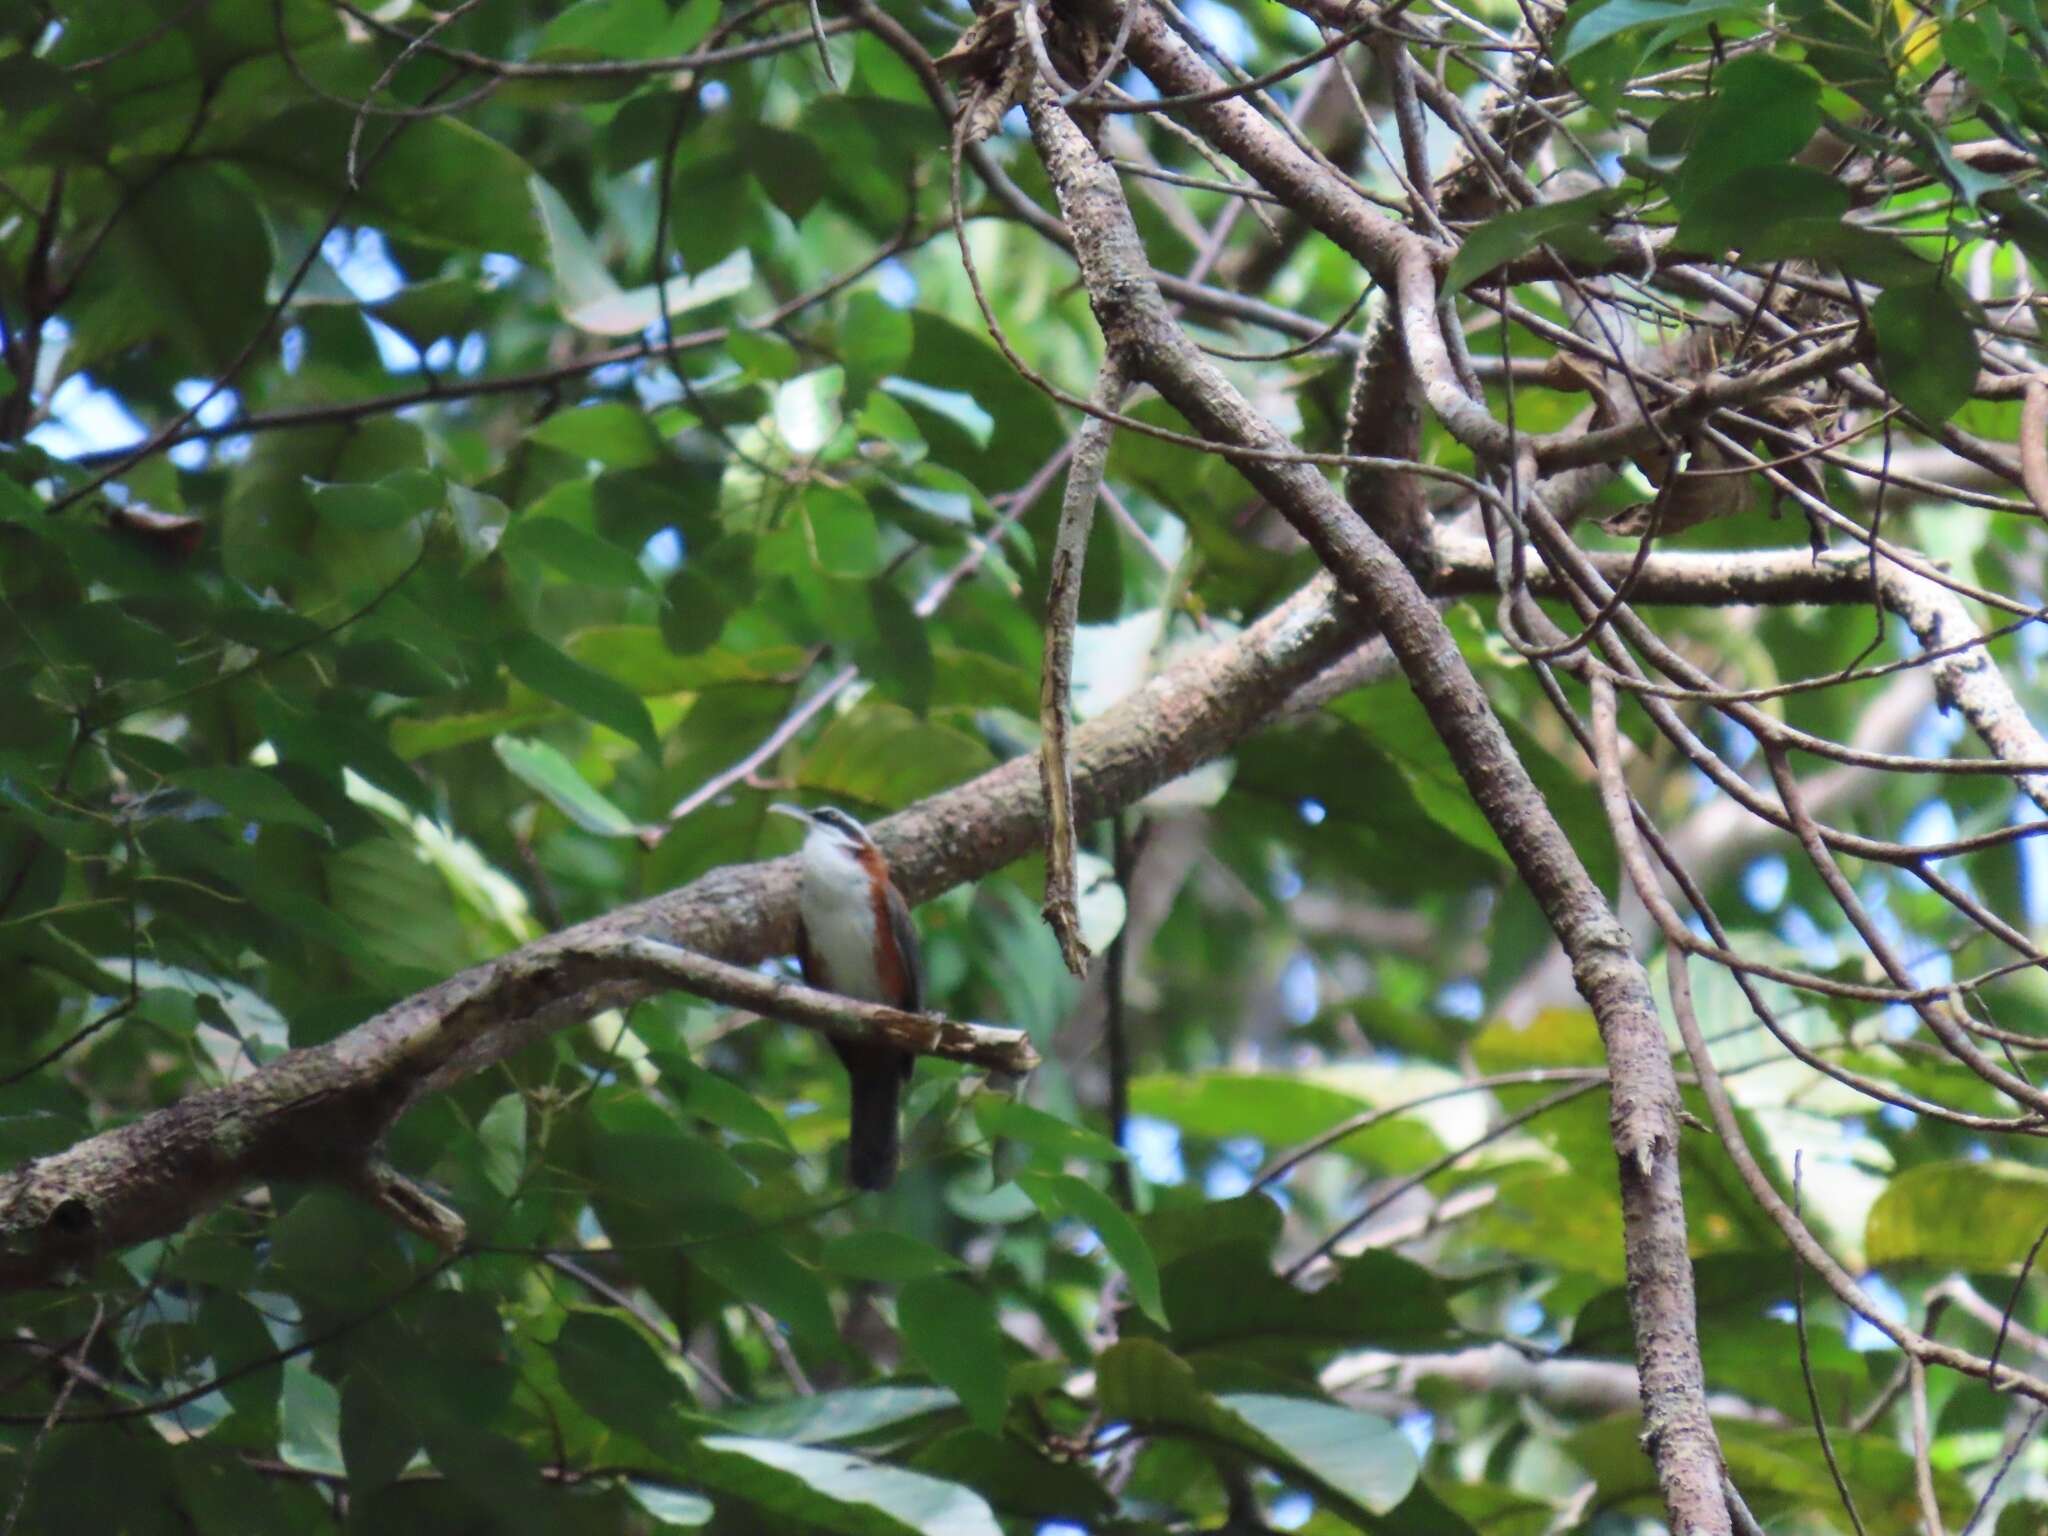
x=320, y=1112
x=1644, y=1115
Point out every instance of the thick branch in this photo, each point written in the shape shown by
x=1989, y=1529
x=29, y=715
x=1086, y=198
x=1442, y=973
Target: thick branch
x=1561, y=1384
x=1644, y=1113
x=843, y=1018
x=319, y=1113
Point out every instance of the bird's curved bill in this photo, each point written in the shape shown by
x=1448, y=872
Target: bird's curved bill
x=796, y=811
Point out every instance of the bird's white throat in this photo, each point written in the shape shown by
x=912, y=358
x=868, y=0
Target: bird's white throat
x=839, y=915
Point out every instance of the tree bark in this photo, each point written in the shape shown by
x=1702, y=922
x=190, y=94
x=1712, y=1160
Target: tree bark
x=1141, y=334
x=319, y=1113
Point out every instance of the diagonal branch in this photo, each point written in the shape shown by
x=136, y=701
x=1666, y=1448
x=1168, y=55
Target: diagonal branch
x=1138, y=327
x=320, y=1112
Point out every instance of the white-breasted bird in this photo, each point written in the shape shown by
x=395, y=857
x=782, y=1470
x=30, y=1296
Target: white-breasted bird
x=854, y=937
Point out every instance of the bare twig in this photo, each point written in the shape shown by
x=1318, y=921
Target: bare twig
x=1055, y=687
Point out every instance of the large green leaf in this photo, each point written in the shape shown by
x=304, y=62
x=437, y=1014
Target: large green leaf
x=548, y=670
x=609, y=1368
x=950, y=1329
x=1061, y=1194
x=1593, y=22
x=188, y=265
x=832, y=1491
x=1570, y=226
x=890, y=1257
x=439, y=180
x=1358, y=1461
x=1928, y=349
x=540, y=767
x=1761, y=112
x=851, y=1414
x=883, y=756
x=1227, y=1297
x=1968, y=1215
x=1281, y=1112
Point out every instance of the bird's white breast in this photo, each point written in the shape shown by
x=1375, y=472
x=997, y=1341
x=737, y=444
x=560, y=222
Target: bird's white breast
x=839, y=917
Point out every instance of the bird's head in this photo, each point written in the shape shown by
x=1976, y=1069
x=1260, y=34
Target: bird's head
x=830, y=824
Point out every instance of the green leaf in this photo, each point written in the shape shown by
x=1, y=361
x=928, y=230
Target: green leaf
x=1859, y=252
x=547, y=670
x=957, y=406
x=787, y=165
x=1280, y=1111
x=764, y=356
x=1060, y=1194
x=236, y=1340
x=387, y=665
x=1572, y=226
x=1928, y=349
x=1174, y=1231
x=1742, y=212
x=1961, y=1215
x=636, y=655
x=899, y=654
x=882, y=755
x=501, y=1134
x=187, y=262
x=1763, y=111
x=671, y=1507
x=1017, y=1478
x=874, y=339
x=440, y=181
x=251, y=794
x=479, y=522
x=575, y=552
x=389, y=503
x=543, y=769
x=1362, y=1457
x=1355, y=1459
x=837, y=1492
x=311, y=1426
x=612, y=1372
x=707, y=1096
x=947, y=356
x=598, y=29
x=1227, y=1297
x=998, y=1115
x=761, y=1270
x=633, y=311
x=888, y=1258
x=844, y=539
x=950, y=1329
x=1591, y=24
x=611, y=433
x=591, y=300
x=829, y=1417
x=377, y=1436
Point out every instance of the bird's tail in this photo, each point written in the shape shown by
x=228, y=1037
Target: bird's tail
x=872, y=1137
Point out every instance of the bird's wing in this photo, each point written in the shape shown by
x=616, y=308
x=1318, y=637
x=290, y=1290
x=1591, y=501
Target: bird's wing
x=906, y=943
x=809, y=961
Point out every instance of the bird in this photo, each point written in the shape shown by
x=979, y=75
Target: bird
x=854, y=937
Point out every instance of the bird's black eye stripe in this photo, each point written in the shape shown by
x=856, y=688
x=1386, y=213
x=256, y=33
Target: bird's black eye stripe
x=838, y=821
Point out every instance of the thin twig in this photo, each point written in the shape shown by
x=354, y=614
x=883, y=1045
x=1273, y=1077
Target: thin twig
x=1820, y=1421
x=74, y=1369
x=1055, y=685
x=1923, y=1469
x=2034, y=444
